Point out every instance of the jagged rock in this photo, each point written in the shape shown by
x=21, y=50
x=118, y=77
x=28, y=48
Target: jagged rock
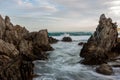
x=67, y=39
x=52, y=40
x=8, y=24
x=26, y=49
x=40, y=39
x=105, y=69
x=97, y=49
x=30, y=51
x=38, y=51
x=18, y=48
x=8, y=49
x=15, y=35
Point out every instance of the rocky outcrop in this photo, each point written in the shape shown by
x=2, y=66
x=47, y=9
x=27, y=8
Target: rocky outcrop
x=99, y=45
x=104, y=69
x=18, y=48
x=40, y=39
x=67, y=39
x=52, y=40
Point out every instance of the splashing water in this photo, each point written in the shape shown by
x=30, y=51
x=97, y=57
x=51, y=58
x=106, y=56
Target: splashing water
x=63, y=64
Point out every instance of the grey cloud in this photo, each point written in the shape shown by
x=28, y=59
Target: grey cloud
x=66, y=13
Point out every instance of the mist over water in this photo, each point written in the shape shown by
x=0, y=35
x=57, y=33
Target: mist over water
x=63, y=63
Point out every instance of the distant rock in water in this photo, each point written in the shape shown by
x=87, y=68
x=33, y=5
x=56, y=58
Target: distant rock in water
x=81, y=43
x=104, y=69
x=67, y=39
x=52, y=40
x=18, y=48
x=96, y=50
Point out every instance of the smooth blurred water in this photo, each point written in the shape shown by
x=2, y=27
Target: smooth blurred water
x=63, y=64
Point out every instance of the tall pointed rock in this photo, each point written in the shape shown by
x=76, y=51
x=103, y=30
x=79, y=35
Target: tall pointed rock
x=96, y=50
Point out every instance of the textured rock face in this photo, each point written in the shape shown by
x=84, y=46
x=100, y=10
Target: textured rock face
x=18, y=48
x=105, y=69
x=67, y=39
x=97, y=49
x=41, y=40
x=15, y=35
x=8, y=49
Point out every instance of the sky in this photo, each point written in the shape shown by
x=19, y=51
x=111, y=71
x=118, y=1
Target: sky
x=59, y=15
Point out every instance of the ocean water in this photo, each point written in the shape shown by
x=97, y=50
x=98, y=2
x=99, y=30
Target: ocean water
x=63, y=63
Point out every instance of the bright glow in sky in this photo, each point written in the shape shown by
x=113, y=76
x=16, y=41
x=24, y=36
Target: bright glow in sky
x=59, y=15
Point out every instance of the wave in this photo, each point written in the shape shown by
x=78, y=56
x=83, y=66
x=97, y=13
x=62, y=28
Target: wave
x=70, y=33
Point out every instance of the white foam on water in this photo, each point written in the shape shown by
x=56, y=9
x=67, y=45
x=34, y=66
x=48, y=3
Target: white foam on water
x=63, y=64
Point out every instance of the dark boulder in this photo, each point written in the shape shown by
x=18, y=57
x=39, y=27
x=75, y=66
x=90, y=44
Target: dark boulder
x=67, y=39
x=97, y=49
x=104, y=69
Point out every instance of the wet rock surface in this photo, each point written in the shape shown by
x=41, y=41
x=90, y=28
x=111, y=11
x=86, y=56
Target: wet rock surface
x=99, y=45
x=18, y=48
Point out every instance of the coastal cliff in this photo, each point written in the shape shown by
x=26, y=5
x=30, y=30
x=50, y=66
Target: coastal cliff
x=18, y=48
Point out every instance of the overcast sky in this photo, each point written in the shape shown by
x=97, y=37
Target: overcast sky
x=59, y=15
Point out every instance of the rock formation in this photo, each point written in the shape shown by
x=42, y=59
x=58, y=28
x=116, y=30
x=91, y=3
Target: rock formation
x=18, y=48
x=40, y=39
x=99, y=45
x=67, y=39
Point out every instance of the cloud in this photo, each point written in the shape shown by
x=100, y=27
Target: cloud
x=59, y=14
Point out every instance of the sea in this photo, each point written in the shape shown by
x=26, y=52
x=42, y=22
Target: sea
x=64, y=62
